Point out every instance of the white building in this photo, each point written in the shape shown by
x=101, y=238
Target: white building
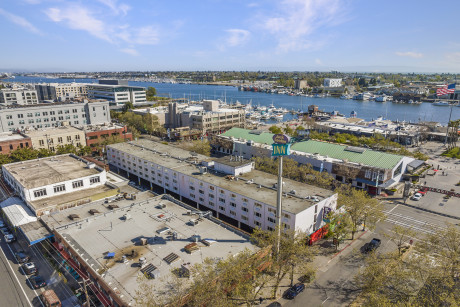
x=329, y=82
x=118, y=92
x=46, y=183
x=22, y=96
x=229, y=187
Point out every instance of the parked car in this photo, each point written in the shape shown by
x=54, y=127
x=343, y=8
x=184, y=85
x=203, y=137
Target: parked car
x=2, y=224
x=416, y=196
x=423, y=193
x=373, y=245
x=21, y=257
x=9, y=238
x=294, y=291
x=37, y=282
x=4, y=230
x=30, y=268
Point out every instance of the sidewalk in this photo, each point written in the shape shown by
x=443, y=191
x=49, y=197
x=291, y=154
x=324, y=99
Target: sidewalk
x=326, y=258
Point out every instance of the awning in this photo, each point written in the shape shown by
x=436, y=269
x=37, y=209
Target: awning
x=388, y=184
x=416, y=164
x=20, y=216
x=17, y=211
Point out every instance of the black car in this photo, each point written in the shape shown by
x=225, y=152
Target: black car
x=294, y=291
x=21, y=257
x=373, y=245
x=37, y=282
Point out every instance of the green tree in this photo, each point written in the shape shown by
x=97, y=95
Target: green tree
x=151, y=93
x=401, y=237
x=200, y=147
x=128, y=106
x=22, y=154
x=5, y=159
x=275, y=130
x=44, y=152
x=294, y=255
x=66, y=149
x=340, y=227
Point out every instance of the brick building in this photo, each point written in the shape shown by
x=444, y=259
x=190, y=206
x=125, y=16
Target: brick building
x=10, y=141
x=96, y=134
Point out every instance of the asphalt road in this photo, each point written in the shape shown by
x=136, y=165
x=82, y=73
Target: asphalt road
x=334, y=284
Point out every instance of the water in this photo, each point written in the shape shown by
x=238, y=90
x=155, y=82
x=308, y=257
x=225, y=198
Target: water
x=367, y=110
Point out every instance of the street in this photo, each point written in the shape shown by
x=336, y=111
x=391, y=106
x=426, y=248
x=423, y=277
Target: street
x=15, y=288
x=334, y=285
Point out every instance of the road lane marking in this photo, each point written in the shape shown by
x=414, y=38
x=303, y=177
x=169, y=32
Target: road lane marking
x=393, y=208
x=324, y=301
x=27, y=279
x=15, y=276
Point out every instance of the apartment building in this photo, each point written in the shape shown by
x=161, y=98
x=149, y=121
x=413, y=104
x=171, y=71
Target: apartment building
x=228, y=187
x=52, y=138
x=61, y=91
x=209, y=117
x=117, y=92
x=331, y=82
x=18, y=96
x=48, y=115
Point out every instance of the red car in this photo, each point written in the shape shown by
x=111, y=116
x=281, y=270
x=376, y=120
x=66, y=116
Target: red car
x=422, y=192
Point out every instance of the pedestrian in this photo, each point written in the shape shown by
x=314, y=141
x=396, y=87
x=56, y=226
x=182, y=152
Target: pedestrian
x=443, y=173
x=261, y=300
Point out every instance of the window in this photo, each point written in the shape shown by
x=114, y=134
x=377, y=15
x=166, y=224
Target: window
x=211, y=204
x=257, y=223
x=192, y=195
x=192, y=188
x=201, y=191
x=9, y=117
x=222, y=200
x=20, y=115
x=45, y=113
x=222, y=192
x=77, y=184
x=94, y=180
x=30, y=115
x=368, y=174
x=221, y=208
x=211, y=195
x=244, y=209
x=271, y=220
x=69, y=138
x=257, y=214
x=232, y=204
x=316, y=208
x=37, y=113
x=271, y=210
x=233, y=195
x=232, y=213
x=244, y=218
x=244, y=200
x=59, y=188
x=52, y=112
x=270, y=228
x=201, y=199
x=287, y=216
x=211, y=188
x=59, y=112
x=59, y=139
x=77, y=137
x=257, y=205
x=40, y=193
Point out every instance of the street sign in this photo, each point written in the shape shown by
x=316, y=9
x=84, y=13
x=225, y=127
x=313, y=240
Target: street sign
x=281, y=150
x=281, y=139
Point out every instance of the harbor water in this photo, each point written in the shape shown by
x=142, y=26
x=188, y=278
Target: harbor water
x=366, y=110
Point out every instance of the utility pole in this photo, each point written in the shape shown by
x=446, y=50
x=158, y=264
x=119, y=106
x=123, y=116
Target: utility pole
x=279, y=196
x=447, y=131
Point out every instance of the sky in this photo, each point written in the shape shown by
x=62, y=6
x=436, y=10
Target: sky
x=275, y=35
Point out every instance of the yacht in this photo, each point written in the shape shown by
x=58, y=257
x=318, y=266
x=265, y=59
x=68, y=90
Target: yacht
x=441, y=103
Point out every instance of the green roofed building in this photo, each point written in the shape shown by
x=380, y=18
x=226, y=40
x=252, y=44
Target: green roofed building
x=362, y=167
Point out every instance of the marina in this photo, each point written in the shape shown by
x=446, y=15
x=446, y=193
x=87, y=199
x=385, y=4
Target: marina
x=366, y=109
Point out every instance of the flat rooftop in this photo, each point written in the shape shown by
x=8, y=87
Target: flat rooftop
x=52, y=132
x=109, y=231
x=168, y=156
x=8, y=136
x=45, y=171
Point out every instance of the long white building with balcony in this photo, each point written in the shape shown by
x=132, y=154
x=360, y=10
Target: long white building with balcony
x=229, y=187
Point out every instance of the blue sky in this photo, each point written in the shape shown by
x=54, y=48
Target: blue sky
x=117, y=35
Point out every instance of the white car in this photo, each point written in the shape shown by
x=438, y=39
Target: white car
x=417, y=196
x=9, y=238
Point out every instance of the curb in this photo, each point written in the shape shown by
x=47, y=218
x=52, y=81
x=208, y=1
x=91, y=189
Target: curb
x=430, y=211
x=336, y=254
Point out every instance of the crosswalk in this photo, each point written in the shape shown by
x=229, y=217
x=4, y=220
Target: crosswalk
x=418, y=225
